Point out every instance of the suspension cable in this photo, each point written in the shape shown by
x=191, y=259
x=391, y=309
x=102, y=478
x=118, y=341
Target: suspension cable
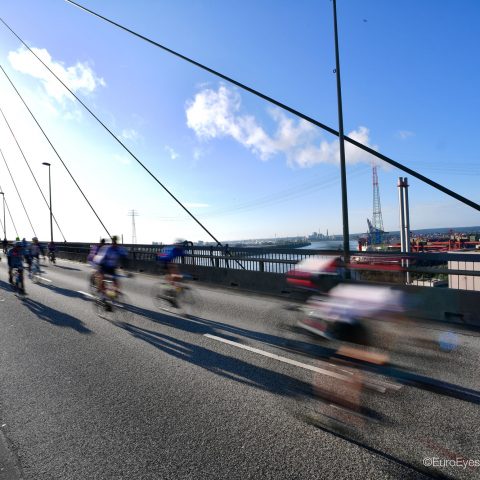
x=9, y=214
x=117, y=140
x=31, y=171
x=18, y=193
x=57, y=154
x=285, y=107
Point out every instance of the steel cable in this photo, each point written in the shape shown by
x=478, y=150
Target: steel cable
x=285, y=107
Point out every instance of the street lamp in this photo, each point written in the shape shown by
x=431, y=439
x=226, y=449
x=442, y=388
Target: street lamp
x=341, y=138
x=4, y=224
x=50, y=190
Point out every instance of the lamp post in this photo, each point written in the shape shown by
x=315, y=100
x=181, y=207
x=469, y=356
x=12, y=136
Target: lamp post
x=4, y=224
x=50, y=191
x=343, y=172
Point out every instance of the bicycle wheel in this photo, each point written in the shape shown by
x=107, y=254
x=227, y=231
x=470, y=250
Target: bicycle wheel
x=92, y=284
x=103, y=309
x=187, y=302
x=161, y=299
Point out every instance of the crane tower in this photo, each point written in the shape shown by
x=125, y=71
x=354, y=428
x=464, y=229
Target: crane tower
x=375, y=227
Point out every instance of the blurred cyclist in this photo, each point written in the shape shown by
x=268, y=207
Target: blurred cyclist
x=354, y=310
x=316, y=275
x=108, y=259
x=167, y=256
x=26, y=253
x=94, y=249
x=52, y=251
x=34, y=252
x=15, y=261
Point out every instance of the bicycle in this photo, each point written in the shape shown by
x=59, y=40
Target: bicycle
x=110, y=303
x=18, y=284
x=93, y=282
x=52, y=258
x=174, y=296
x=35, y=271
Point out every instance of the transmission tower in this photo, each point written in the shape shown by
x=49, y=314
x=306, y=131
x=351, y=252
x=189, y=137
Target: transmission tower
x=133, y=214
x=377, y=221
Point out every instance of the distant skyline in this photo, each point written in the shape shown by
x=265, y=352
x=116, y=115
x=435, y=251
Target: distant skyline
x=245, y=168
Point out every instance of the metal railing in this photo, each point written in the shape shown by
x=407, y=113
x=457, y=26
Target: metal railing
x=457, y=270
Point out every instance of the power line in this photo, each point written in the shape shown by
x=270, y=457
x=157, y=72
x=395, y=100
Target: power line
x=57, y=154
x=285, y=107
x=28, y=165
x=115, y=138
x=282, y=196
x=18, y=193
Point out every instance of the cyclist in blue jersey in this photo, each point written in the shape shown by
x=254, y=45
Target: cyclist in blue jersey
x=167, y=256
x=108, y=259
x=34, y=252
x=94, y=249
x=15, y=261
x=52, y=249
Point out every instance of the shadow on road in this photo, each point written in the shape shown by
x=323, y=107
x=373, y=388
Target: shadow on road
x=5, y=286
x=63, y=267
x=225, y=366
x=63, y=291
x=55, y=317
x=202, y=326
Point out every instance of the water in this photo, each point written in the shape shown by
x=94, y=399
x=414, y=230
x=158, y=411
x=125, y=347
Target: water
x=331, y=245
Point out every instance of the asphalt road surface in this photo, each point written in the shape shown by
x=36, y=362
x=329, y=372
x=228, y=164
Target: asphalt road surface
x=222, y=395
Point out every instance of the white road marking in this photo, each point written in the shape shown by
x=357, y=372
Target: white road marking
x=378, y=386
x=86, y=294
x=45, y=279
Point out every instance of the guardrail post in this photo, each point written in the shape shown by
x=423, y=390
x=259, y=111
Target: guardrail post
x=261, y=265
x=226, y=256
x=211, y=256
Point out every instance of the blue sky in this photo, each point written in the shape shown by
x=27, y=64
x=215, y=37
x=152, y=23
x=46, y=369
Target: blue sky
x=410, y=80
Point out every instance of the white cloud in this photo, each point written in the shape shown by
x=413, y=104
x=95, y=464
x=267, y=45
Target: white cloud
x=79, y=77
x=173, y=154
x=404, y=134
x=214, y=114
x=130, y=134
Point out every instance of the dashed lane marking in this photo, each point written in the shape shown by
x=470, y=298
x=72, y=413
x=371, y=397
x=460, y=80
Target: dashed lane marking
x=86, y=294
x=378, y=386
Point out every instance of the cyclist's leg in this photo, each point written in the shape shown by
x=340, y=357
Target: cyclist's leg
x=116, y=282
x=94, y=278
x=100, y=279
x=21, y=280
